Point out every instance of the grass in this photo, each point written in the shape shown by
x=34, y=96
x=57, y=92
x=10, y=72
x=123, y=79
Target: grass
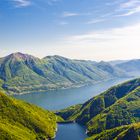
x=20, y=120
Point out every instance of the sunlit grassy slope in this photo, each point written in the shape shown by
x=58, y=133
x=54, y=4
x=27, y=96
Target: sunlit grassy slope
x=20, y=120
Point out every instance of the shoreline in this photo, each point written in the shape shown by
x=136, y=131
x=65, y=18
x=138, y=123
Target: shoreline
x=69, y=87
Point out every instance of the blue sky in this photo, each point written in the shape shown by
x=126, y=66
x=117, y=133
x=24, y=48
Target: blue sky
x=82, y=29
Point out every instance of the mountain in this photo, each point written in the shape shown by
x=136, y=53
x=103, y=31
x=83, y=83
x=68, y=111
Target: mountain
x=125, y=132
x=23, y=73
x=131, y=67
x=20, y=120
x=110, y=113
x=115, y=62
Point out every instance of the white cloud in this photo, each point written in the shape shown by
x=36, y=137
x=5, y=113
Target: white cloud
x=69, y=14
x=51, y=2
x=110, y=34
x=63, y=23
x=129, y=8
x=131, y=12
x=130, y=3
x=22, y=3
x=117, y=43
x=95, y=21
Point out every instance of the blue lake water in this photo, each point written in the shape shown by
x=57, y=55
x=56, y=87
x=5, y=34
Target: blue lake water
x=70, y=132
x=59, y=99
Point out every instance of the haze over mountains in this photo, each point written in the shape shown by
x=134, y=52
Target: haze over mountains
x=22, y=73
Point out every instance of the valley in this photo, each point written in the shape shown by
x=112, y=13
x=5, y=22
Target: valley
x=69, y=69
x=62, y=98
x=58, y=84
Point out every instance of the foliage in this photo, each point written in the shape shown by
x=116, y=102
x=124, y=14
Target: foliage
x=125, y=132
x=118, y=106
x=22, y=73
x=20, y=120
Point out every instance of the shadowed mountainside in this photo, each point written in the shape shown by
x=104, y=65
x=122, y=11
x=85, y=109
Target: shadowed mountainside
x=110, y=112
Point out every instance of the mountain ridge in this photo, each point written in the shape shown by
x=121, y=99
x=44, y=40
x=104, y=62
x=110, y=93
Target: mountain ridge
x=23, y=73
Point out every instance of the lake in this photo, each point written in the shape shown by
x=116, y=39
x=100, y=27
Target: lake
x=59, y=99
x=71, y=131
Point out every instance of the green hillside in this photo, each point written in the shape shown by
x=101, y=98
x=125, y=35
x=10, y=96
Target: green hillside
x=20, y=120
x=125, y=132
x=22, y=73
x=118, y=106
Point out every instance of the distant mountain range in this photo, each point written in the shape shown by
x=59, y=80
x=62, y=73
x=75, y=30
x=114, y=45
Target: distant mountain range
x=112, y=115
x=131, y=67
x=23, y=73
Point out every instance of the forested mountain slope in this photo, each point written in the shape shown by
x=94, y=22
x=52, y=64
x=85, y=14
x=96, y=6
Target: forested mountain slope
x=118, y=106
x=23, y=73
